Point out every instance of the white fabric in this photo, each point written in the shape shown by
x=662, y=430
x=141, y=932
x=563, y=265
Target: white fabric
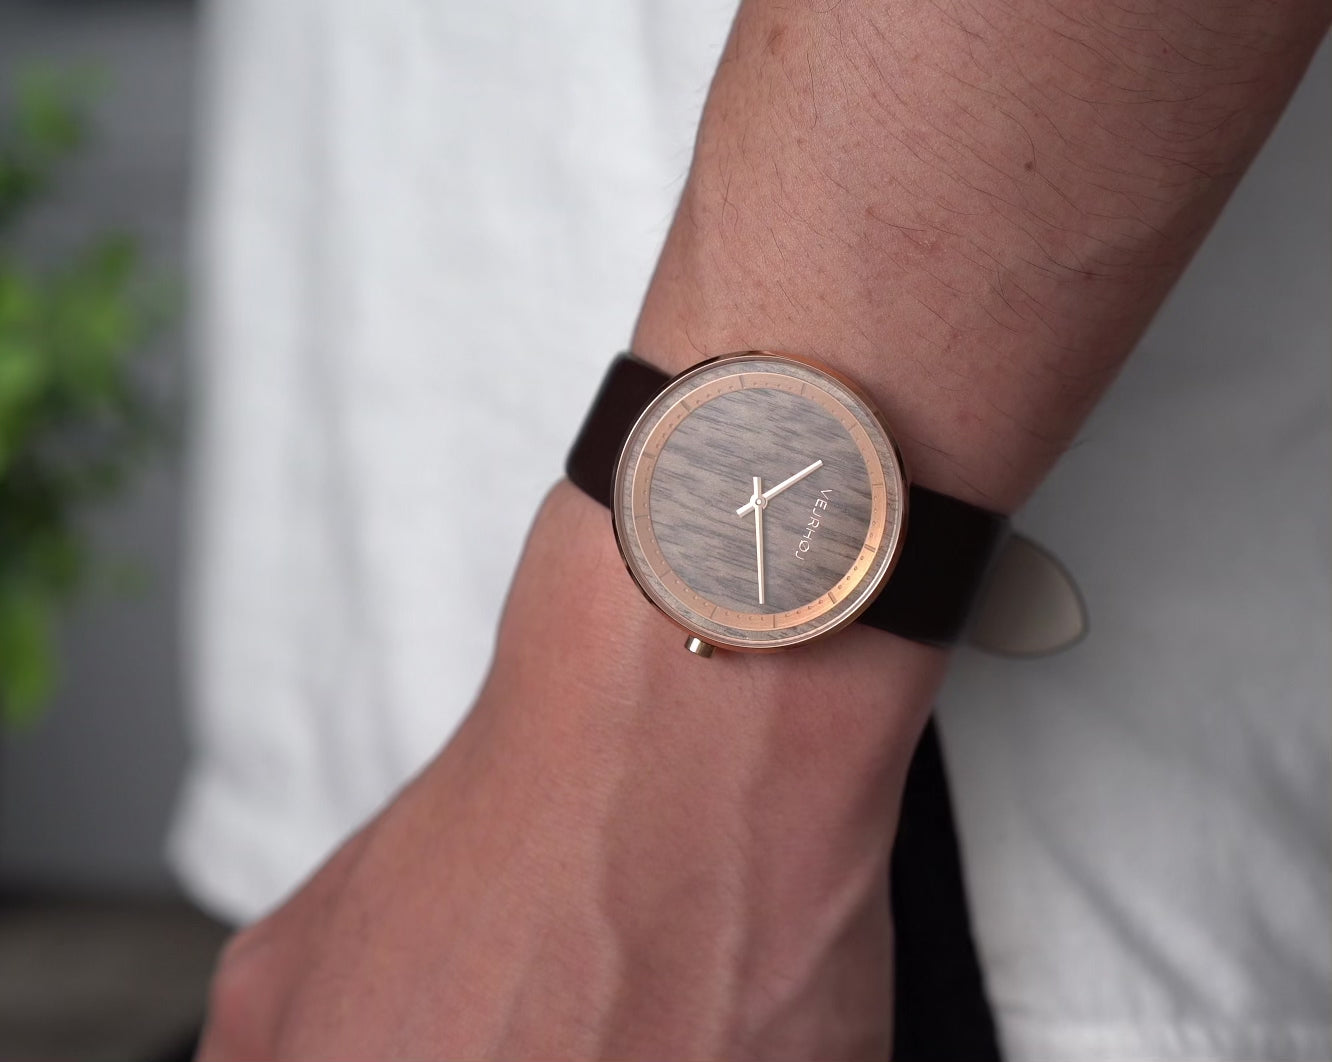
x=1145, y=819
x=425, y=227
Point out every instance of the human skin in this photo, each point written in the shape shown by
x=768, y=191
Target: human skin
x=628, y=851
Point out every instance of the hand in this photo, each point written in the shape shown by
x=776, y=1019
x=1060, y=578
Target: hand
x=772, y=492
x=631, y=857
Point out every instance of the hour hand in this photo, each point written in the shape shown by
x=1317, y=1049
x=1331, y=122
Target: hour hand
x=759, y=503
x=772, y=492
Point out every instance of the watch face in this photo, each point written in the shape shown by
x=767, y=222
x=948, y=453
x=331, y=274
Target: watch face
x=760, y=501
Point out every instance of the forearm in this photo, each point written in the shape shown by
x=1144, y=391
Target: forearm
x=974, y=209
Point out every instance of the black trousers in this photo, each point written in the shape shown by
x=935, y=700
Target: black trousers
x=940, y=1011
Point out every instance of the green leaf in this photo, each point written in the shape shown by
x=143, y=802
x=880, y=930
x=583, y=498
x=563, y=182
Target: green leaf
x=113, y=260
x=52, y=107
x=49, y=121
x=78, y=417
x=20, y=299
x=95, y=323
x=20, y=184
x=27, y=656
x=22, y=380
x=55, y=558
x=22, y=374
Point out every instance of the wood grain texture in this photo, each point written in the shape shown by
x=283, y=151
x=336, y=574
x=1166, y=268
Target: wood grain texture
x=704, y=474
x=689, y=463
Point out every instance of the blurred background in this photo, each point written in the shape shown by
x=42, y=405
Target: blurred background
x=100, y=957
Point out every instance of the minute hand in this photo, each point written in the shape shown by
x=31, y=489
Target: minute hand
x=772, y=492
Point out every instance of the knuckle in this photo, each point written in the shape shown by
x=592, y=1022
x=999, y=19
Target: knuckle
x=242, y=999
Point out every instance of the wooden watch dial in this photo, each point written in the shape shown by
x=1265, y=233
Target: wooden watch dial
x=830, y=500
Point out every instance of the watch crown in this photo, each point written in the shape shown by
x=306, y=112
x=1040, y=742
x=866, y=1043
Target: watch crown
x=698, y=646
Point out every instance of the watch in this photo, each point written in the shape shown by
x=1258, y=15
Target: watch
x=760, y=501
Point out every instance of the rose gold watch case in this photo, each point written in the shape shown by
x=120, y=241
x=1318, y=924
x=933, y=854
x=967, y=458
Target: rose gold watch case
x=760, y=631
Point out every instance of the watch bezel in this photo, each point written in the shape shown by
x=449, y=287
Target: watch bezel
x=863, y=591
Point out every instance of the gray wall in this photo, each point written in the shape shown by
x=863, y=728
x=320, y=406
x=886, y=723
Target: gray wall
x=84, y=798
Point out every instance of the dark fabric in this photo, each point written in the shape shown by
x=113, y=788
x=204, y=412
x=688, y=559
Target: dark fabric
x=626, y=389
x=184, y=1049
x=948, y=547
x=941, y=1012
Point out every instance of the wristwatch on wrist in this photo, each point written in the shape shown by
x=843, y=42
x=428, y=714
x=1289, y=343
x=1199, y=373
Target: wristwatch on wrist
x=760, y=501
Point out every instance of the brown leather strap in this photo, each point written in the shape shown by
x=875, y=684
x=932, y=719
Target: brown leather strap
x=948, y=549
x=626, y=389
x=949, y=543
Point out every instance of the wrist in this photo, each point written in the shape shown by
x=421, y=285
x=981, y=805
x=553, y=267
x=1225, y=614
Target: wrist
x=582, y=651
x=741, y=808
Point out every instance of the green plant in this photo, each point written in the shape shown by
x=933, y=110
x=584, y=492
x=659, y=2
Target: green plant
x=76, y=418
